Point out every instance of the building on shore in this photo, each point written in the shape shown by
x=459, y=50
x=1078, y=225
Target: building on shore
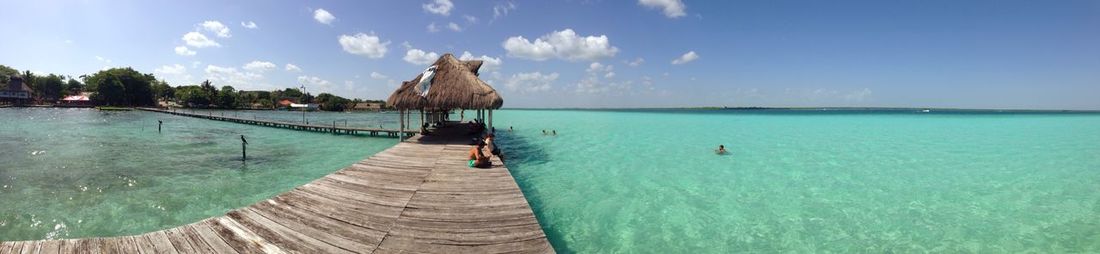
x=367, y=106
x=77, y=101
x=16, y=91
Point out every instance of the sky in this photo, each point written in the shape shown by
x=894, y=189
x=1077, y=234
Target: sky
x=647, y=53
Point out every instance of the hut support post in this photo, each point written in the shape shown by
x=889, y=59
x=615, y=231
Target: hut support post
x=400, y=130
x=491, y=130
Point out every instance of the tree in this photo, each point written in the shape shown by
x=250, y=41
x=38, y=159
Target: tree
x=227, y=98
x=331, y=102
x=110, y=91
x=6, y=72
x=209, y=90
x=49, y=88
x=192, y=96
x=163, y=91
x=74, y=87
x=136, y=87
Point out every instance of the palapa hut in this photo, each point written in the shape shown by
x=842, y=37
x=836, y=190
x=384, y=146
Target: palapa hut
x=455, y=85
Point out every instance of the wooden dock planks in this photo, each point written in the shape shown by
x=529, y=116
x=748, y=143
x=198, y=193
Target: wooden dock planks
x=416, y=197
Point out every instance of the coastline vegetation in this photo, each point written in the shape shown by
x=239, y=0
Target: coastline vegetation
x=126, y=87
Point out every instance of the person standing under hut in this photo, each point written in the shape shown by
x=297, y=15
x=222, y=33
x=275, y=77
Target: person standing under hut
x=479, y=158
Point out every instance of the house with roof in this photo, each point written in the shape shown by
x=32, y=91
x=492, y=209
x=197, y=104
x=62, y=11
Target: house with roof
x=16, y=91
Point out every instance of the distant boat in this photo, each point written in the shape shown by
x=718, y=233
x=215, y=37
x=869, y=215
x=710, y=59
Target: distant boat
x=926, y=111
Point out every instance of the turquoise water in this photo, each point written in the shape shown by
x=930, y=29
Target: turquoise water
x=610, y=181
x=70, y=173
x=636, y=181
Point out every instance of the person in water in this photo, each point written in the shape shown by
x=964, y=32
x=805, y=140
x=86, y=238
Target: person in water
x=555, y=132
x=478, y=158
x=543, y=132
x=721, y=149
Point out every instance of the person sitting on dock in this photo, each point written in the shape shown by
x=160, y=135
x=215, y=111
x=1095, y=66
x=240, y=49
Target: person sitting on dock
x=478, y=158
x=721, y=150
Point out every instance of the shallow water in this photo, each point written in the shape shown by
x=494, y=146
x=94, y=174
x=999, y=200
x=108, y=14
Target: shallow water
x=70, y=173
x=610, y=181
x=649, y=181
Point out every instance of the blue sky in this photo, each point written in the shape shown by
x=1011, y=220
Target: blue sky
x=647, y=53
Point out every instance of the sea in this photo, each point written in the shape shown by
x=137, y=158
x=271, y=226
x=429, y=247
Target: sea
x=608, y=181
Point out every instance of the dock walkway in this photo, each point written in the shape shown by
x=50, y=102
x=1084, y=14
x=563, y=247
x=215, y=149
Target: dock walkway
x=416, y=197
x=334, y=128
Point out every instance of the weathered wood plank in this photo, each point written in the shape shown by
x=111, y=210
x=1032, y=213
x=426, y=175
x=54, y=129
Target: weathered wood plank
x=160, y=241
x=50, y=247
x=68, y=246
x=281, y=236
x=144, y=245
x=30, y=247
x=211, y=238
x=179, y=241
x=6, y=246
x=242, y=240
x=195, y=239
x=325, y=235
x=360, y=235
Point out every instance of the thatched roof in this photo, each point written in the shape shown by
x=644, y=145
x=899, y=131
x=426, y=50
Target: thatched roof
x=454, y=86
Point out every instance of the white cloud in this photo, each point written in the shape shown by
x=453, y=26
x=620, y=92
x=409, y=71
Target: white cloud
x=454, y=27
x=502, y=9
x=592, y=83
x=175, y=69
x=470, y=19
x=433, y=28
x=362, y=44
x=419, y=57
x=321, y=15
x=671, y=8
x=249, y=25
x=217, y=28
x=292, y=68
x=103, y=59
x=197, y=40
x=184, y=51
x=686, y=58
x=231, y=76
x=487, y=63
x=441, y=7
x=858, y=95
x=530, y=82
x=376, y=75
x=260, y=66
x=563, y=44
x=316, y=84
x=637, y=62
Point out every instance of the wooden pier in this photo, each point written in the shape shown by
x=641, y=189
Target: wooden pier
x=294, y=126
x=416, y=197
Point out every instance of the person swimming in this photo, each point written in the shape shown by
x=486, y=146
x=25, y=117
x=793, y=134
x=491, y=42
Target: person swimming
x=478, y=158
x=543, y=132
x=555, y=132
x=721, y=149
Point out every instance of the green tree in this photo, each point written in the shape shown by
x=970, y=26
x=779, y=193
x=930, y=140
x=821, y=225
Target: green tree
x=163, y=91
x=136, y=87
x=74, y=87
x=49, y=88
x=192, y=96
x=6, y=72
x=110, y=91
x=227, y=98
x=331, y=102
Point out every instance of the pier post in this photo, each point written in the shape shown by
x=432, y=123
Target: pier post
x=244, y=149
x=159, y=123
